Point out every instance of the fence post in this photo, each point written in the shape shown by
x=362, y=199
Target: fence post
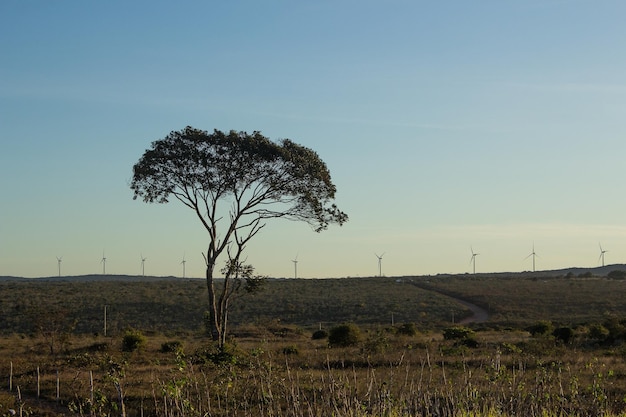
x=91, y=388
x=11, y=378
x=58, y=387
x=38, y=385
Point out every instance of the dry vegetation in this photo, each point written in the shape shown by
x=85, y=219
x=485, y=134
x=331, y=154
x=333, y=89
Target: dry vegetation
x=274, y=366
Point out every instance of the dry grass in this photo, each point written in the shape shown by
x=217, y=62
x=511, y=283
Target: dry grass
x=291, y=375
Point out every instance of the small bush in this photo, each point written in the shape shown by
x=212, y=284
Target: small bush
x=563, y=334
x=469, y=341
x=227, y=355
x=173, y=346
x=97, y=347
x=133, y=340
x=598, y=332
x=457, y=332
x=290, y=350
x=319, y=334
x=541, y=328
x=344, y=335
x=377, y=343
x=408, y=329
x=617, y=274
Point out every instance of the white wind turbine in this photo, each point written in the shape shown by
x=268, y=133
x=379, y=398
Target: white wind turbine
x=602, y=252
x=473, y=259
x=380, y=263
x=59, y=259
x=534, y=255
x=183, y=262
x=295, y=266
x=104, y=264
x=143, y=265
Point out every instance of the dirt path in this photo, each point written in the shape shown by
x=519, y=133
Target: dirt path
x=479, y=314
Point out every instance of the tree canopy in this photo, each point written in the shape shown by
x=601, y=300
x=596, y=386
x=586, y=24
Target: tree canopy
x=245, y=178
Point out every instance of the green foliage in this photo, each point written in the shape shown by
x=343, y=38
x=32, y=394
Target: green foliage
x=598, y=332
x=133, y=340
x=217, y=355
x=407, y=329
x=174, y=346
x=457, y=332
x=319, y=334
x=290, y=350
x=377, y=342
x=541, y=328
x=344, y=335
x=563, y=334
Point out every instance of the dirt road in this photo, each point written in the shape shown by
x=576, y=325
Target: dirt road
x=479, y=314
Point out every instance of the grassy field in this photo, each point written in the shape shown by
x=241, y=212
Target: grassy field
x=553, y=346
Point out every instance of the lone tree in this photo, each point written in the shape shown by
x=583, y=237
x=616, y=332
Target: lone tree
x=234, y=182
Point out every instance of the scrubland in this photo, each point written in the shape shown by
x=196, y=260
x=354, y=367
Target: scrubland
x=284, y=357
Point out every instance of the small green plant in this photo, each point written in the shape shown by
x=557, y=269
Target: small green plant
x=344, y=335
x=133, y=340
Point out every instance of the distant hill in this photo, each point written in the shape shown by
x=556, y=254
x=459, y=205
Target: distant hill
x=600, y=271
x=88, y=278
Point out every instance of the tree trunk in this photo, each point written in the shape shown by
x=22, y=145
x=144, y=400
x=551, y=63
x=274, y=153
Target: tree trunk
x=214, y=322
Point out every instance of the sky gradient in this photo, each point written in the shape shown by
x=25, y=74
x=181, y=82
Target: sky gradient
x=447, y=126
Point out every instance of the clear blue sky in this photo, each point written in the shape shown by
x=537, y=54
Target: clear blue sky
x=447, y=125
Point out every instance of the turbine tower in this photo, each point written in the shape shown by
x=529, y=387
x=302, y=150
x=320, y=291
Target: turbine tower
x=534, y=255
x=295, y=267
x=473, y=259
x=59, y=264
x=143, y=264
x=380, y=263
x=183, y=262
x=104, y=264
x=602, y=252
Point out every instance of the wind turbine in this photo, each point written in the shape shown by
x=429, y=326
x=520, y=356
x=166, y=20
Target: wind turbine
x=143, y=264
x=473, y=259
x=59, y=262
x=295, y=266
x=534, y=255
x=602, y=252
x=183, y=262
x=380, y=263
x=104, y=264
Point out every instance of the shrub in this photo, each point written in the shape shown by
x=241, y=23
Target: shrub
x=617, y=274
x=469, y=341
x=598, y=332
x=377, y=343
x=319, y=334
x=172, y=346
x=407, y=329
x=344, y=335
x=290, y=350
x=541, y=328
x=133, y=340
x=227, y=355
x=563, y=334
x=457, y=332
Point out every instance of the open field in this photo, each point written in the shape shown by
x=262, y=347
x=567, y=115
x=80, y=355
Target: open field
x=520, y=362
